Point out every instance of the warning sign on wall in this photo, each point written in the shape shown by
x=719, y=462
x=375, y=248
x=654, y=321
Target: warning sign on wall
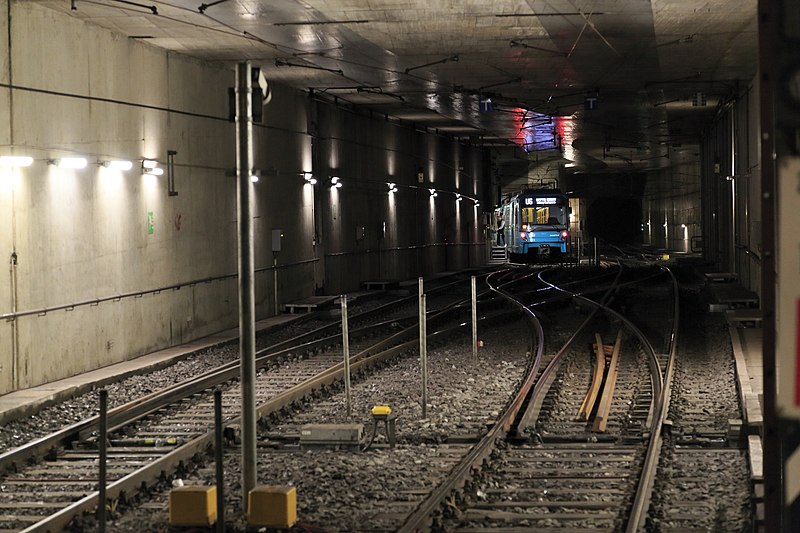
x=787, y=322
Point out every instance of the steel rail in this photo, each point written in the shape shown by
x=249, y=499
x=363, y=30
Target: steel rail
x=643, y=494
x=549, y=373
x=153, y=471
x=422, y=516
x=604, y=404
x=141, y=407
x=145, y=405
x=597, y=379
x=420, y=519
x=641, y=502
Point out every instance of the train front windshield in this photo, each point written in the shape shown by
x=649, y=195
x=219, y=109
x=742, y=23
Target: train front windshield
x=543, y=210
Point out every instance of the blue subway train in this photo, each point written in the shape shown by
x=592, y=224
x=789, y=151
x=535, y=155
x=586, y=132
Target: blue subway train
x=535, y=224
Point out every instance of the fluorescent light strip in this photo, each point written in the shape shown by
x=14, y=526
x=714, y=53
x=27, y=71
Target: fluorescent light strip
x=15, y=161
x=120, y=164
x=70, y=162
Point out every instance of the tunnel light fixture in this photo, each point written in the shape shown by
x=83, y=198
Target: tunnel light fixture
x=570, y=165
x=336, y=182
x=433, y=193
x=150, y=166
x=15, y=161
x=392, y=187
x=309, y=178
x=458, y=197
x=683, y=226
x=69, y=162
x=254, y=178
x=117, y=164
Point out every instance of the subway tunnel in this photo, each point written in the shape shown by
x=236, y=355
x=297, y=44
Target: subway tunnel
x=373, y=145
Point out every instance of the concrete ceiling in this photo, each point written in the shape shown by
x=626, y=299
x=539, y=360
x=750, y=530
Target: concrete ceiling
x=657, y=68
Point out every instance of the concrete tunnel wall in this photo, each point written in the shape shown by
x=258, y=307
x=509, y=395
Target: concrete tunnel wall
x=71, y=236
x=671, y=216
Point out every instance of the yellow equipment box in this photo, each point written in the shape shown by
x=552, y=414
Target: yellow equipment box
x=272, y=506
x=381, y=410
x=193, y=505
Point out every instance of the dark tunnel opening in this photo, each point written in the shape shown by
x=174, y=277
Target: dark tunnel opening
x=616, y=220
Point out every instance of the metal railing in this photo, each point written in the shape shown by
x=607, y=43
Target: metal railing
x=42, y=311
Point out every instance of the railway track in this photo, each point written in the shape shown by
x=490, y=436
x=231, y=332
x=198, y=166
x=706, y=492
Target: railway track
x=561, y=480
x=704, y=475
x=305, y=328
x=476, y=473
x=159, y=433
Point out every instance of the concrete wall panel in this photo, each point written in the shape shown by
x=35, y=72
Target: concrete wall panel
x=88, y=234
x=732, y=195
x=671, y=208
x=84, y=234
x=5, y=73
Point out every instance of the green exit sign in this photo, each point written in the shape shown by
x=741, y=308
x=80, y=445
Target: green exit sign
x=150, y=223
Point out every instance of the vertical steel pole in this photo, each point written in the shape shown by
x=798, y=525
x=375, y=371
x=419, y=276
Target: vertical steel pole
x=596, y=257
x=423, y=350
x=275, y=283
x=247, y=311
x=421, y=294
x=218, y=458
x=474, y=319
x=102, y=439
x=769, y=28
x=346, y=348
x=15, y=381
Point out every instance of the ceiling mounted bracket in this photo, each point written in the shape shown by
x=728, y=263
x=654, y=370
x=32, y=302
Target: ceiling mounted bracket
x=453, y=58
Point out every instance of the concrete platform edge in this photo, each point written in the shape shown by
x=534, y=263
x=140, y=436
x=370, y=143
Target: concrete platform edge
x=751, y=410
x=42, y=396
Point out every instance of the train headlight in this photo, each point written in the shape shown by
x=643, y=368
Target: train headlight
x=522, y=235
x=564, y=234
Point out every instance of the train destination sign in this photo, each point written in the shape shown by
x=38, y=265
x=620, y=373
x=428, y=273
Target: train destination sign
x=542, y=200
